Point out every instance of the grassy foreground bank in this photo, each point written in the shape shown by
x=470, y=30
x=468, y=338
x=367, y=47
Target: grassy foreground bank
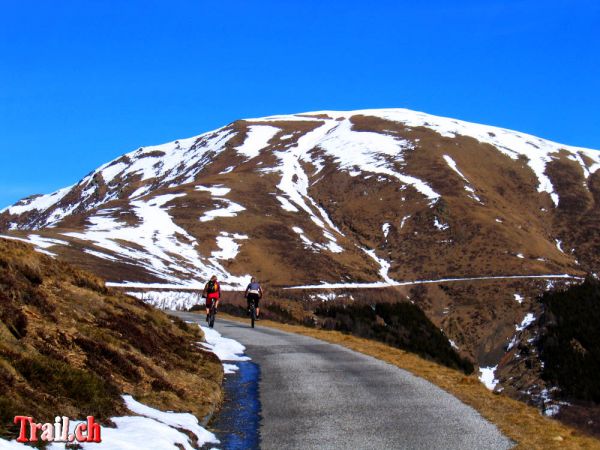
x=70, y=346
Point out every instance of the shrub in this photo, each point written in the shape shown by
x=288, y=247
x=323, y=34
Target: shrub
x=570, y=344
x=87, y=390
x=402, y=325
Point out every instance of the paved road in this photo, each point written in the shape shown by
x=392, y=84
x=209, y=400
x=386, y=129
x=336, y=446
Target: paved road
x=319, y=395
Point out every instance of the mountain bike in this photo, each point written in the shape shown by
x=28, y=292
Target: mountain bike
x=252, y=311
x=212, y=312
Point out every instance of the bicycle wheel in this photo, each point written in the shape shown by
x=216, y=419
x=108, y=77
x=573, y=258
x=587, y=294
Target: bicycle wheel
x=252, y=315
x=211, y=318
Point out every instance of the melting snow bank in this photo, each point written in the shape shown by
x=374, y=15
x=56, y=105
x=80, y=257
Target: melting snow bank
x=384, y=266
x=380, y=284
x=226, y=349
x=152, y=429
x=487, y=377
x=40, y=243
x=175, y=300
x=528, y=320
x=134, y=285
x=172, y=287
x=228, y=246
x=184, y=421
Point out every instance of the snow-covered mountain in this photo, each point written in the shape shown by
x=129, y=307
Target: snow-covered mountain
x=132, y=209
x=342, y=200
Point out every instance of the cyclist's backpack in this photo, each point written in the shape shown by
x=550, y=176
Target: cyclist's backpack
x=212, y=287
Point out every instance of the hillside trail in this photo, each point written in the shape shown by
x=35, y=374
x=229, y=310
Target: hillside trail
x=315, y=394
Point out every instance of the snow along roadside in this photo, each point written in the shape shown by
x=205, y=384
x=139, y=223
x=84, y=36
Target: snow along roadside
x=157, y=430
x=226, y=349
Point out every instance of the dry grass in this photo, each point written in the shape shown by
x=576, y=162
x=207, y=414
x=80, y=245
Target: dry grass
x=522, y=423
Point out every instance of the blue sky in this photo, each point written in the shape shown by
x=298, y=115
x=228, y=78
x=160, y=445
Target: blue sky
x=82, y=82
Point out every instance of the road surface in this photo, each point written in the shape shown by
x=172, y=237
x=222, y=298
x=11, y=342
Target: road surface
x=315, y=394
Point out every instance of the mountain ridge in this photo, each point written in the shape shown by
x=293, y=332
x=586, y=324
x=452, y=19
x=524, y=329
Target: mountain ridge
x=407, y=117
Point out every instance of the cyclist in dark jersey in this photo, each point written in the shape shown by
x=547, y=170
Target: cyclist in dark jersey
x=254, y=292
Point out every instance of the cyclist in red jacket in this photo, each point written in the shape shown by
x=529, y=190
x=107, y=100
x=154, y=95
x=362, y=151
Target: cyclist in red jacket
x=212, y=293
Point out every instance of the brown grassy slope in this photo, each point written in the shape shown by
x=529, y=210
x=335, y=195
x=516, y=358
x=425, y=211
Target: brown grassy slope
x=69, y=346
x=524, y=424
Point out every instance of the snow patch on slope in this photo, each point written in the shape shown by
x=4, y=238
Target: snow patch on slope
x=404, y=219
x=100, y=255
x=286, y=205
x=294, y=180
x=257, y=139
x=527, y=320
x=331, y=246
x=452, y=164
x=217, y=190
x=487, y=377
x=40, y=243
x=294, y=184
x=228, y=246
x=157, y=243
x=370, y=152
x=39, y=203
x=157, y=234
x=385, y=228
x=173, y=159
x=139, y=192
x=384, y=266
x=112, y=171
x=440, y=225
x=229, y=209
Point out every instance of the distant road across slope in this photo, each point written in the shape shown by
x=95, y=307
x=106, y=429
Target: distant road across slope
x=439, y=280
x=319, y=395
x=374, y=285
